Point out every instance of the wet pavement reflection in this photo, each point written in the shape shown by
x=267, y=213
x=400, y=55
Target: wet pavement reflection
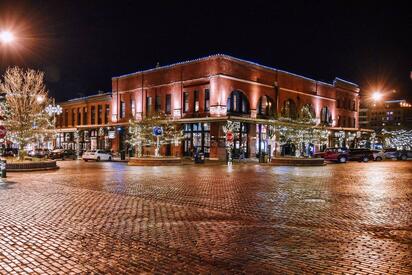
x=108, y=217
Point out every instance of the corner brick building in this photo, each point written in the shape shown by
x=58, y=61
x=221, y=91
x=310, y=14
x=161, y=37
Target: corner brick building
x=202, y=95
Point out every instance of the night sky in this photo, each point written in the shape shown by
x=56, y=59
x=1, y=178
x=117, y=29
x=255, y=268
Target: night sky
x=82, y=45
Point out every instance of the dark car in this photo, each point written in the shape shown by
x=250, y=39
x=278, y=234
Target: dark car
x=63, y=154
x=334, y=154
x=404, y=154
x=39, y=153
x=361, y=154
x=10, y=152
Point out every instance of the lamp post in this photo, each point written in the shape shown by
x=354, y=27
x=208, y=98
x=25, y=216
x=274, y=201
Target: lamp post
x=7, y=37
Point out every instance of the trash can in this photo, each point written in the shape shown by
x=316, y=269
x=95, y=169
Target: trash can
x=122, y=155
x=199, y=158
x=3, y=169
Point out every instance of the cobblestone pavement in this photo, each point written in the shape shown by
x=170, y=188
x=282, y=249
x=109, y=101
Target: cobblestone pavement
x=111, y=218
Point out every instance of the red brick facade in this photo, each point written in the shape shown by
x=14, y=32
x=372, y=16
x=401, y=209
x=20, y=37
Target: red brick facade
x=180, y=91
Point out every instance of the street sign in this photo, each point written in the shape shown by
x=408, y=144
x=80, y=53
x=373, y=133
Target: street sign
x=229, y=136
x=157, y=131
x=3, y=131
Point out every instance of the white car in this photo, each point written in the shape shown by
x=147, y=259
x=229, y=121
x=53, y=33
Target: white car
x=97, y=155
x=378, y=154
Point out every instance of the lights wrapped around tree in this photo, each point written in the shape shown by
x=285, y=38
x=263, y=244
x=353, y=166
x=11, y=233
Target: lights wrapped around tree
x=24, y=107
x=400, y=139
x=142, y=133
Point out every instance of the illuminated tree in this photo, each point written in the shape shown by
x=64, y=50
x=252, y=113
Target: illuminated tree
x=23, y=107
x=141, y=132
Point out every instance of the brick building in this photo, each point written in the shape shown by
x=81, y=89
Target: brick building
x=202, y=94
x=388, y=114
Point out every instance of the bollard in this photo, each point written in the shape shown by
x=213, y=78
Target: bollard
x=3, y=169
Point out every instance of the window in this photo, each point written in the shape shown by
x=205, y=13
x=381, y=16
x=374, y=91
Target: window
x=122, y=108
x=66, y=118
x=79, y=117
x=106, y=113
x=185, y=102
x=353, y=105
x=326, y=116
x=207, y=100
x=73, y=117
x=158, y=104
x=237, y=103
x=338, y=103
x=196, y=101
x=265, y=106
x=84, y=115
x=99, y=114
x=289, y=109
x=168, y=104
x=133, y=106
x=93, y=115
x=148, y=105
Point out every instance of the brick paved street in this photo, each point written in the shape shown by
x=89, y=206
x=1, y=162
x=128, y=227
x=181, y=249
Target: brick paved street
x=111, y=218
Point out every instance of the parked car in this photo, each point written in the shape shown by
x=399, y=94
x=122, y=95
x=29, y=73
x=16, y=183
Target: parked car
x=97, y=155
x=63, y=154
x=361, y=154
x=378, y=154
x=334, y=154
x=390, y=153
x=404, y=154
x=39, y=153
x=10, y=152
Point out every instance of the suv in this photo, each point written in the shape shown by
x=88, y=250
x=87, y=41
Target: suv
x=63, y=154
x=97, y=155
x=360, y=154
x=334, y=154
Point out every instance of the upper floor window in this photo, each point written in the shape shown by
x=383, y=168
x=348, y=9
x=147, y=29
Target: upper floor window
x=66, y=118
x=265, y=106
x=168, y=104
x=158, y=104
x=237, y=102
x=133, y=106
x=93, y=115
x=207, y=100
x=196, y=101
x=106, y=113
x=73, y=117
x=99, y=114
x=148, y=105
x=79, y=117
x=185, y=102
x=84, y=115
x=326, y=116
x=289, y=109
x=122, y=109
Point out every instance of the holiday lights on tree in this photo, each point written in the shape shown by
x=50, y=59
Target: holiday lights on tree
x=156, y=130
x=24, y=107
x=400, y=139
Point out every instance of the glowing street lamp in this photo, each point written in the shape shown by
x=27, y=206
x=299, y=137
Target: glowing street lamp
x=377, y=96
x=6, y=37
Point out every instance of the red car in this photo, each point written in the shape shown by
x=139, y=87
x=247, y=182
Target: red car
x=334, y=154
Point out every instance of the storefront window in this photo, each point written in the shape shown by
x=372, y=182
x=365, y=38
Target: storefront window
x=196, y=138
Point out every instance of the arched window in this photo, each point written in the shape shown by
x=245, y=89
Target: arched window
x=289, y=109
x=307, y=112
x=325, y=116
x=265, y=106
x=237, y=103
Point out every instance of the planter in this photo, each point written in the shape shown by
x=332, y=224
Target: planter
x=155, y=161
x=297, y=161
x=31, y=166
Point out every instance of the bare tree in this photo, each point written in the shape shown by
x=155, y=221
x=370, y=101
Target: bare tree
x=23, y=107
